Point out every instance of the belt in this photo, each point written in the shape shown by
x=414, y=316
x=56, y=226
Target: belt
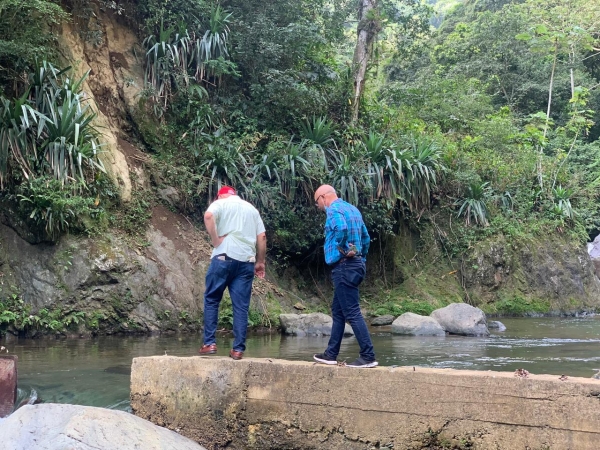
x=224, y=257
x=347, y=258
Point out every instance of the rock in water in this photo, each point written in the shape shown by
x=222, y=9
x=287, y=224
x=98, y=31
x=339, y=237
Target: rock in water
x=460, y=318
x=416, y=325
x=496, y=325
x=313, y=324
x=57, y=427
x=382, y=320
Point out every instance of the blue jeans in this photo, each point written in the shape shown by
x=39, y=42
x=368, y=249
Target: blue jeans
x=238, y=277
x=346, y=277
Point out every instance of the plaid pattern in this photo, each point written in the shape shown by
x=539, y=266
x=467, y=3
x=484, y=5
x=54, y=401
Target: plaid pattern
x=344, y=225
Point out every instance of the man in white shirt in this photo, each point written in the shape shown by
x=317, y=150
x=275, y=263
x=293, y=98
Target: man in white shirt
x=240, y=246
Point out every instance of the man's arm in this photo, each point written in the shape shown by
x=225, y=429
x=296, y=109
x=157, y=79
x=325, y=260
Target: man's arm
x=261, y=255
x=365, y=241
x=211, y=228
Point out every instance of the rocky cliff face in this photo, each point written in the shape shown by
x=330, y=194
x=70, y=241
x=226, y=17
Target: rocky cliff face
x=115, y=81
x=550, y=275
x=118, y=286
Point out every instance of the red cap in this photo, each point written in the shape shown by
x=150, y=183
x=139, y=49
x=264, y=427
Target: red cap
x=226, y=190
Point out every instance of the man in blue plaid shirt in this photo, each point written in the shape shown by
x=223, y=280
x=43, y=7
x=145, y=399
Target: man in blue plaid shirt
x=346, y=247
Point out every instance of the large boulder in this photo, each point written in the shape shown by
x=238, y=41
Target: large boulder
x=313, y=324
x=58, y=427
x=416, y=325
x=460, y=318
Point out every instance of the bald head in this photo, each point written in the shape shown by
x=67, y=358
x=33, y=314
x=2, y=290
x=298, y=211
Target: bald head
x=324, y=196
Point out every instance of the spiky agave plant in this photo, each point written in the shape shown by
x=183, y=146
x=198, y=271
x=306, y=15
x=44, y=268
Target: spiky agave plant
x=562, y=202
x=348, y=175
x=70, y=138
x=48, y=130
x=18, y=147
x=384, y=168
x=212, y=44
x=49, y=149
x=222, y=163
x=421, y=168
x=295, y=169
x=318, y=131
x=170, y=49
x=267, y=166
x=473, y=206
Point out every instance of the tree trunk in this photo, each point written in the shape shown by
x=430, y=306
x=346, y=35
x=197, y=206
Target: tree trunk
x=368, y=27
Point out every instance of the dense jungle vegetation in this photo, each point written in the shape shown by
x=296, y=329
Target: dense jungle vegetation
x=459, y=120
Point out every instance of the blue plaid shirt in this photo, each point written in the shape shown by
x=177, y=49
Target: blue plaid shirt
x=344, y=225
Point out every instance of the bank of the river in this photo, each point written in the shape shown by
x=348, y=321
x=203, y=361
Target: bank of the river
x=96, y=371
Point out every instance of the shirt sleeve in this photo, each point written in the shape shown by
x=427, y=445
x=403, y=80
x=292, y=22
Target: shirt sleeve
x=215, y=209
x=260, y=226
x=365, y=240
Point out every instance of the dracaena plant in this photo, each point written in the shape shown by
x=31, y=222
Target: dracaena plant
x=48, y=130
x=177, y=58
x=49, y=151
x=421, y=169
x=384, y=168
x=318, y=131
x=473, y=206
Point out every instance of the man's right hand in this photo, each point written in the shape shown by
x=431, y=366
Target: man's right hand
x=218, y=241
x=259, y=270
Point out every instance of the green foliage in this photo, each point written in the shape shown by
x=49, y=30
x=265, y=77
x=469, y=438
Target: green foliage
x=58, y=210
x=226, y=313
x=222, y=163
x=182, y=59
x=318, y=131
x=347, y=175
x=31, y=40
x=423, y=166
x=48, y=130
x=562, y=203
x=133, y=217
x=384, y=167
x=473, y=206
x=16, y=316
x=517, y=306
x=49, y=153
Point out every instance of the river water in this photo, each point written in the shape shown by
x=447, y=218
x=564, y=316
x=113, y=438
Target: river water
x=96, y=371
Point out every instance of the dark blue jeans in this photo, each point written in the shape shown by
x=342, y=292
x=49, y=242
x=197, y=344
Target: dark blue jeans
x=346, y=277
x=238, y=277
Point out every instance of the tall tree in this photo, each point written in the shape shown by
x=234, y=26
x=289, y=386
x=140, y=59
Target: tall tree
x=369, y=24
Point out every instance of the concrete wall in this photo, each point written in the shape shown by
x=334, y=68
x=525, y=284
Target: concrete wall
x=275, y=404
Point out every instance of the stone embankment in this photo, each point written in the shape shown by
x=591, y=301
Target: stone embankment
x=273, y=404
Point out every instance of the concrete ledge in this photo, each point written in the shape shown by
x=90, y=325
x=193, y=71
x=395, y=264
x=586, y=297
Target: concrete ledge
x=8, y=384
x=274, y=404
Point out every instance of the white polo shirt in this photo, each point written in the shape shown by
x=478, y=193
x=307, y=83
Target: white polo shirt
x=241, y=222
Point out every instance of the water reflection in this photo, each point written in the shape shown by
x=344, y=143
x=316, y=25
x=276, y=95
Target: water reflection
x=96, y=371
